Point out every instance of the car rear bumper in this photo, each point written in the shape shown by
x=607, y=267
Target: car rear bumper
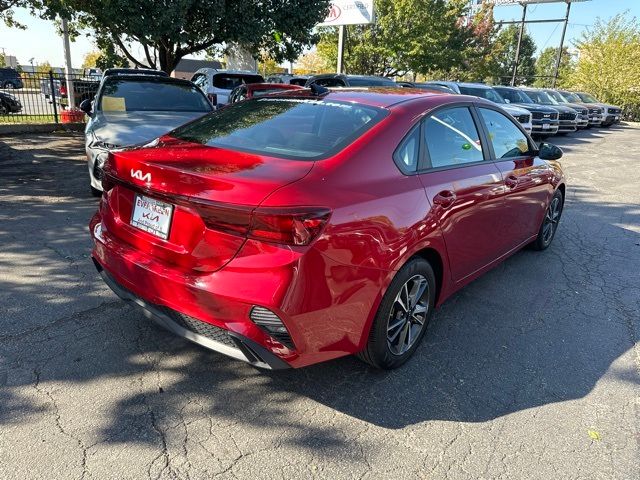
x=213, y=338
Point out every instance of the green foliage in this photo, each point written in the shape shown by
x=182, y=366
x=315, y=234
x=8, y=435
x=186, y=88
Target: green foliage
x=168, y=31
x=504, y=54
x=409, y=36
x=546, y=66
x=6, y=12
x=608, y=64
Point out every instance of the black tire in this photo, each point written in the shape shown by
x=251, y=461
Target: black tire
x=379, y=349
x=550, y=221
x=95, y=192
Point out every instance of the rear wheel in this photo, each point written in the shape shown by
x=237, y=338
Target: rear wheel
x=402, y=317
x=550, y=222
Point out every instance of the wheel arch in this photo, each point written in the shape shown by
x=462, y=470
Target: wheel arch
x=434, y=258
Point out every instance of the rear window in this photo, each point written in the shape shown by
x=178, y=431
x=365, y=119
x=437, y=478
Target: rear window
x=229, y=81
x=298, y=81
x=300, y=129
x=147, y=94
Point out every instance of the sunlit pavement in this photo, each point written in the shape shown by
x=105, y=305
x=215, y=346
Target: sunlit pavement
x=532, y=371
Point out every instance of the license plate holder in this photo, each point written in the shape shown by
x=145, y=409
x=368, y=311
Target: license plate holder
x=152, y=216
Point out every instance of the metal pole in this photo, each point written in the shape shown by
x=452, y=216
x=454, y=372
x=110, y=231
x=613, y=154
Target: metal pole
x=559, y=59
x=340, y=48
x=53, y=96
x=515, y=65
x=67, y=64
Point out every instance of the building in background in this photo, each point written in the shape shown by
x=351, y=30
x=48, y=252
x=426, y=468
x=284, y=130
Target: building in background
x=188, y=66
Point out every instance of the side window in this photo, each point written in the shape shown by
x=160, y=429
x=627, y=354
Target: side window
x=507, y=139
x=406, y=155
x=452, y=138
x=200, y=80
x=329, y=82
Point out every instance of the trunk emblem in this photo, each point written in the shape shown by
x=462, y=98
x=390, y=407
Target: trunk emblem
x=140, y=176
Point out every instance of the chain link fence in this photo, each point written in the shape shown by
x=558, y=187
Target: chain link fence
x=43, y=98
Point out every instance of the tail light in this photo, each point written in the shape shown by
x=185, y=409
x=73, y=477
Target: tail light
x=213, y=98
x=286, y=225
x=63, y=89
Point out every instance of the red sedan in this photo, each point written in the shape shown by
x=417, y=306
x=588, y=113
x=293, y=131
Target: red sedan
x=292, y=229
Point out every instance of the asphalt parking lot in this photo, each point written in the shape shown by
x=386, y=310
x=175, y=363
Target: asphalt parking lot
x=532, y=371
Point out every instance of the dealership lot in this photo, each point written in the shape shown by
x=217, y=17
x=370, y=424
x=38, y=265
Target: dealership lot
x=532, y=371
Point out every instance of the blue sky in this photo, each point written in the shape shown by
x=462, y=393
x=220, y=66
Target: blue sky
x=41, y=42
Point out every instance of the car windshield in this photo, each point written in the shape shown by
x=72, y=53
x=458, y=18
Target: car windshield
x=587, y=98
x=371, y=82
x=541, y=97
x=571, y=97
x=151, y=94
x=488, y=93
x=295, y=128
x=514, y=95
x=556, y=96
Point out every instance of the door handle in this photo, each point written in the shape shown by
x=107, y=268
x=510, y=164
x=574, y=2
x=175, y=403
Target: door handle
x=511, y=181
x=444, y=199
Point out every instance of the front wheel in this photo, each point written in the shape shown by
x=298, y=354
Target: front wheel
x=402, y=317
x=550, y=222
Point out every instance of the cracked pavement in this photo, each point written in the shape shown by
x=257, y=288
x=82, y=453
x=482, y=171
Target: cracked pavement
x=532, y=371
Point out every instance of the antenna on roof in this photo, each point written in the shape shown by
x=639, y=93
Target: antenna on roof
x=318, y=90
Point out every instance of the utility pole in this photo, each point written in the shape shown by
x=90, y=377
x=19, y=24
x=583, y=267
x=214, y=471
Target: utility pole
x=515, y=65
x=67, y=64
x=559, y=58
x=340, y=48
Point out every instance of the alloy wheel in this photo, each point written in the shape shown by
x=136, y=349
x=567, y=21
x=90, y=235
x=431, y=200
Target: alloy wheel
x=408, y=315
x=551, y=219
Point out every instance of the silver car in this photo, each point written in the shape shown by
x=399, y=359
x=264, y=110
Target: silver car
x=133, y=110
x=218, y=84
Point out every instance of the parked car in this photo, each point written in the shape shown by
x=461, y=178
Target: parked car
x=595, y=111
x=426, y=86
x=611, y=114
x=488, y=93
x=9, y=103
x=218, y=84
x=567, y=117
x=244, y=92
x=83, y=89
x=311, y=224
x=10, y=78
x=582, y=120
x=342, y=80
x=544, y=119
x=135, y=109
x=288, y=79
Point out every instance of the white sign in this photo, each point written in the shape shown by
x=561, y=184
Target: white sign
x=349, y=12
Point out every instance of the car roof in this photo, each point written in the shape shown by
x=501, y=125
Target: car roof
x=222, y=72
x=133, y=71
x=383, y=97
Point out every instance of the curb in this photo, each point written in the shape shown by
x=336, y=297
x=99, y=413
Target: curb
x=7, y=129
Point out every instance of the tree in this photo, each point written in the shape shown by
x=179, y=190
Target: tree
x=504, y=51
x=6, y=12
x=310, y=63
x=546, y=66
x=167, y=31
x=608, y=63
x=90, y=58
x=409, y=36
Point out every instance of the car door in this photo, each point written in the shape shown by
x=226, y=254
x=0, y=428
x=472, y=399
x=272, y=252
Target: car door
x=464, y=187
x=526, y=177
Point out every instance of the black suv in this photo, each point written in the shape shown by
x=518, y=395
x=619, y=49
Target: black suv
x=342, y=80
x=10, y=78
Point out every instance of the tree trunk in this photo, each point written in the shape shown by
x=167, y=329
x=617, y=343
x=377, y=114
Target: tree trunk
x=168, y=59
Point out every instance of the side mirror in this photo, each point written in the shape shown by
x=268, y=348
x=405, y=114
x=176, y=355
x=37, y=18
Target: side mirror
x=85, y=106
x=548, y=151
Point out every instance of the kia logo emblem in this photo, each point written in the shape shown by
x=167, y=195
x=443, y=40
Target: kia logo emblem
x=146, y=177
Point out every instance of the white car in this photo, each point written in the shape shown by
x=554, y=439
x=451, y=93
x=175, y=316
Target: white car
x=218, y=84
x=133, y=110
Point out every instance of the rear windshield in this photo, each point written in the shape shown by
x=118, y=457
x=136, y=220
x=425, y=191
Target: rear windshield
x=487, y=93
x=229, y=81
x=301, y=129
x=147, y=94
x=298, y=81
x=371, y=82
